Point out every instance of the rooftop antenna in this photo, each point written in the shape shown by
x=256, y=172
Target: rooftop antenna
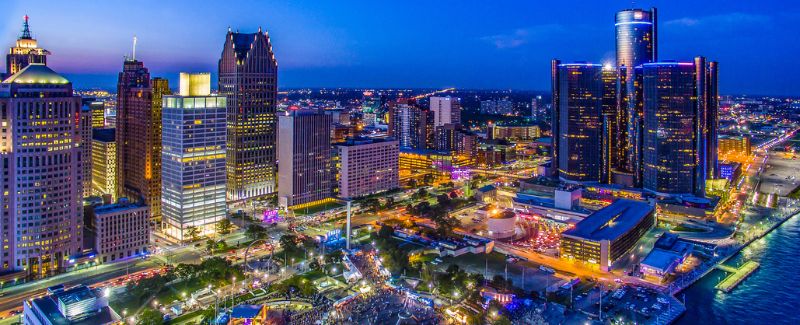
x=134, y=48
x=26, y=32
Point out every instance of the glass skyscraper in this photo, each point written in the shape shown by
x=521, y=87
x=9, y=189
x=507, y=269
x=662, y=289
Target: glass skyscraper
x=193, y=158
x=248, y=77
x=636, y=36
x=679, y=138
x=579, y=110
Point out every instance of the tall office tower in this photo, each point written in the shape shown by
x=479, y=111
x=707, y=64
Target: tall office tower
x=248, y=77
x=680, y=109
x=579, y=109
x=555, y=85
x=193, y=164
x=25, y=52
x=609, y=143
x=85, y=160
x=410, y=126
x=304, y=158
x=138, y=135
x=636, y=37
x=42, y=210
x=636, y=34
x=535, y=101
x=104, y=163
x=446, y=110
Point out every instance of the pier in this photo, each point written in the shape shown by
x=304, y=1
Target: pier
x=736, y=276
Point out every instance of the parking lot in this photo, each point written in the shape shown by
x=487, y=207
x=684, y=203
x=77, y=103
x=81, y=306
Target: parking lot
x=634, y=304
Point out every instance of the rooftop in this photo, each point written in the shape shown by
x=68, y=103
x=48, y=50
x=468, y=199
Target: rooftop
x=246, y=311
x=612, y=221
x=92, y=314
x=36, y=73
x=121, y=205
x=660, y=259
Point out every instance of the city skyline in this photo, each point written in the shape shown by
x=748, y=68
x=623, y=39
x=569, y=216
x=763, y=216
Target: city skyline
x=351, y=45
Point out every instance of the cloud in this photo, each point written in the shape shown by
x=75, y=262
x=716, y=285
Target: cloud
x=522, y=36
x=728, y=20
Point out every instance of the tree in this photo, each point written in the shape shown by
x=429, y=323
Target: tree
x=254, y=232
x=288, y=242
x=428, y=179
x=193, y=233
x=412, y=183
x=389, y=202
x=385, y=232
x=210, y=245
x=150, y=316
x=224, y=226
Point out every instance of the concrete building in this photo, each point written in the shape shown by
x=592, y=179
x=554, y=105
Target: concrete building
x=138, y=135
x=121, y=230
x=515, y=132
x=98, y=112
x=607, y=234
x=41, y=202
x=104, y=163
x=735, y=145
x=77, y=305
x=304, y=158
x=248, y=77
x=368, y=166
x=193, y=158
x=446, y=110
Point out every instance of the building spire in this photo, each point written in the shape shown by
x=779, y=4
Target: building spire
x=26, y=32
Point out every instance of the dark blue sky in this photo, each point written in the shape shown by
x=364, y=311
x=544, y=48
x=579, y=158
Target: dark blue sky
x=465, y=44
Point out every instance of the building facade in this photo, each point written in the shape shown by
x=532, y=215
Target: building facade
x=76, y=305
x=735, y=145
x=86, y=150
x=104, y=163
x=579, y=109
x=368, y=166
x=121, y=230
x=193, y=162
x=138, y=135
x=680, y=151
x=248, y=77
x=42, y=210
x=445, y=110
x=304, y=158
x=607, y=234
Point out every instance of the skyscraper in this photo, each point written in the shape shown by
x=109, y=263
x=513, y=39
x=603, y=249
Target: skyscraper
x=304, y=158
x=42, y=210
x=193, y=164
x=248, y=77
x=409, y=125
x=579, y=109
x=85, y=160
x=25, y=52
x=636, y=35
x=104, y=163
x=138, y=133
x=446, y=110
x=679, y=141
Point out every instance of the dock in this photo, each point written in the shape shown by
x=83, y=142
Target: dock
x=737, y=275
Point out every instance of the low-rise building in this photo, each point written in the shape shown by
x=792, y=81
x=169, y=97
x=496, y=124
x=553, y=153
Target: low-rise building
x=121, y=230
x=668, y=252
x=79, y=305
x=608, y=234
